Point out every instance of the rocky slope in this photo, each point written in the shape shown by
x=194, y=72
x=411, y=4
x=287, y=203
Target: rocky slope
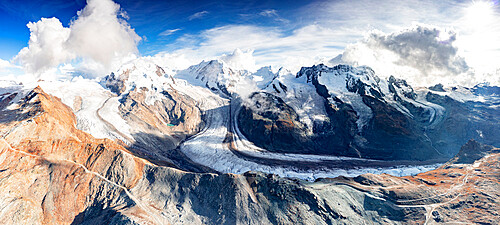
x=350, y=111
x=159, y=116
x=277, y=123
x=53, y=173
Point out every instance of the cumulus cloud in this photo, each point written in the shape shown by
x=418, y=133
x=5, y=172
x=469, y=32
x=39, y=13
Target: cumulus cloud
x=99, y=36
x=478, y=33
x=422, y=54
x=240, y=60
x=468, y=52
x=198, y=15
x=46, y=47
x=4, y=64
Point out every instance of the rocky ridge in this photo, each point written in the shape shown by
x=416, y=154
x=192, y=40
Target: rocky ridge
x=352, y=112
x=159, y=116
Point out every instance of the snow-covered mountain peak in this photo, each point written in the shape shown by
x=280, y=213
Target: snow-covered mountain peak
x=220, y=76
x=140, y=73
x=283, y=71
x=213, y=74
x=400, y=88
x=478, y=93
x=361, y=80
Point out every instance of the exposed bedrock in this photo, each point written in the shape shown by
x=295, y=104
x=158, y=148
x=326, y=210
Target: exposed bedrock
x=365, y=116
x=159, y=116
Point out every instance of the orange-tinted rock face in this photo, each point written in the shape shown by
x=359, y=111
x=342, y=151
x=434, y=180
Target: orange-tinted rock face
x=48, y=165
x=453, y=193
x=176, y=115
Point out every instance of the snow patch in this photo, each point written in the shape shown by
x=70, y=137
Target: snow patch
x=336, y=83
x=299, y=95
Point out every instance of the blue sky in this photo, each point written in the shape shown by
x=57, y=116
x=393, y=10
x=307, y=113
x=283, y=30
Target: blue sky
x=154, y=18
x=290, y=33
x=151, y=19
x=14, y=16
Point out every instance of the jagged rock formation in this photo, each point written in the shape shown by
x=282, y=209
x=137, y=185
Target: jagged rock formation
x=464, y=120
x=472, y=151
x=216, y=76
x=276, y=122
x=364, y=116
x=53, y=173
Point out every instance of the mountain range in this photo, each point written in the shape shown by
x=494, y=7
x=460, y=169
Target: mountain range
x=213, y=144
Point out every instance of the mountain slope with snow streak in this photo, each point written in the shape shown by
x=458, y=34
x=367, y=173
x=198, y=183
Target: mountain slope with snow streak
x=350, y=111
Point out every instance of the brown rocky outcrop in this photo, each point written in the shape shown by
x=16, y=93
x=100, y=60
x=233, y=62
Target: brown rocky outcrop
x=173, y=118
x=368, y=117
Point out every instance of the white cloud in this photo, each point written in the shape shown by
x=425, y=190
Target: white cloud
x=273, y=13
x=465, y=52
x=477, y=30
x=422, y=55
x=5, y=65
x=269, y=13
x=98, y=37
x=169, y=32
x=8, y=70
x=99, y=33
x=240, y=60
x=170, y=61
x=46, y=47
x=271, y=46
x=198, y=15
